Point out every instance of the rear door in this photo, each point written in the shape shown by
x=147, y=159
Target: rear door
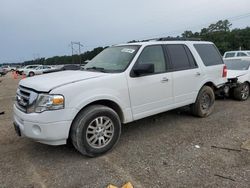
x=187, y=76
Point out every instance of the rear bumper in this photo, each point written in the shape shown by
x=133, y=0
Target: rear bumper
x=51, y=133
x=225, y=89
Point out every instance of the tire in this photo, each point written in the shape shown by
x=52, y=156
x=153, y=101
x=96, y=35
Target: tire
x=204, y=104
x=89, y=138
x=241, y=92
x=31, y=74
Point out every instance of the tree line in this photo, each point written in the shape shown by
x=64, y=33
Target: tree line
x=72, y=59
x=219, y=33
x=223, y=37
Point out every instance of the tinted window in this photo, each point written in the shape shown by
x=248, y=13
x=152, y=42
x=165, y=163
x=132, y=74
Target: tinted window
x=31, y=67
x=153, y=55
x=231, y=54
x=178, y=56
x=71, y=67
x=209, y=54
x=237, y=64
x=240, y=54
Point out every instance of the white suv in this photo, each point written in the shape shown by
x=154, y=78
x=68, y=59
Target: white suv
x=122, y=84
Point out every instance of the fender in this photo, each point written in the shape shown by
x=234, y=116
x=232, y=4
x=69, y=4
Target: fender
x=126, y=111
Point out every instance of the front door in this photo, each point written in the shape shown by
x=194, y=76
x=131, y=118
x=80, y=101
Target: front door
x=151, y=93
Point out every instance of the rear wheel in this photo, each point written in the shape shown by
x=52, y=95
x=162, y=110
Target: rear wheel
x=241, y=92
x=204, y=103
x=31, y=74
x=95, y=130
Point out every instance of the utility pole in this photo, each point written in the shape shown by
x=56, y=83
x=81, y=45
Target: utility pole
x=79, y=50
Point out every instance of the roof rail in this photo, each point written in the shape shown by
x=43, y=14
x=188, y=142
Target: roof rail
x=178, y=38
x=168, y=39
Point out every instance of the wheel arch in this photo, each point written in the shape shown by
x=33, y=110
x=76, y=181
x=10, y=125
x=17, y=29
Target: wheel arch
x=105, y=102
x=207, y=83
x=210, y=84
x=248, y=82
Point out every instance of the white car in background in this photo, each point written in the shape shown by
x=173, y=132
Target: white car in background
x=237, y=54
x=37, y=70
x=22, y=69
x=6, y=68
x=238, y=78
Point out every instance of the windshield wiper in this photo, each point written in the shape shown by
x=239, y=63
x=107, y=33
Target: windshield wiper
x=95, y=69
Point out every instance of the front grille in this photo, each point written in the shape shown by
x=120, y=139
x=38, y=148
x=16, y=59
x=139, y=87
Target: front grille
x=25, y=98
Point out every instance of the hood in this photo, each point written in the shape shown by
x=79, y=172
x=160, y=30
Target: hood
x=47, y=82
x=236, y=73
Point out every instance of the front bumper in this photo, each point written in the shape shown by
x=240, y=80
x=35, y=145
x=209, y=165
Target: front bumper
x=39, y=128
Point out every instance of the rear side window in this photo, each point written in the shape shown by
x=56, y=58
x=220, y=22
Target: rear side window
x=230, y=54
x=241, y=54
x=209, y=54
x=181, y=57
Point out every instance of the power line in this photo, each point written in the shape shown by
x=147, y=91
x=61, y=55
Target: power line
x=235, y=18
x=79, y=45
x=239, y=17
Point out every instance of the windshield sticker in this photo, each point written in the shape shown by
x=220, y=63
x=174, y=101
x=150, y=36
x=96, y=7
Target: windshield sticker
x=127, y=50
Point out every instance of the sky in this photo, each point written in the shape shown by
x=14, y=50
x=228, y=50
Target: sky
x=44, y=28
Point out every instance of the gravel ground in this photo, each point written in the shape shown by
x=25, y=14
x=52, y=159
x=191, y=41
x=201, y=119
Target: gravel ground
x=172, y=149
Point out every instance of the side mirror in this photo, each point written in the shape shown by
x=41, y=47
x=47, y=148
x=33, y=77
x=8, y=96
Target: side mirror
x=142, y=69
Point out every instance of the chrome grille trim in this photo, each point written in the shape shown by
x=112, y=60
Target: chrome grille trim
x=25, y=98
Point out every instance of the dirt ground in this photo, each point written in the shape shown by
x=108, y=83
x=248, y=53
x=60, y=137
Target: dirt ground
x=172, y=149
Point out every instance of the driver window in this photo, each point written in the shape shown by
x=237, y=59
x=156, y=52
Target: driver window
x=153, y=55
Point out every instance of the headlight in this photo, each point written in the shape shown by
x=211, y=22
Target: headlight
x=48, y=102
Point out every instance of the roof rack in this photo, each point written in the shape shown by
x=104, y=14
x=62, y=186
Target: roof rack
x=178, y=38
x=169, y=39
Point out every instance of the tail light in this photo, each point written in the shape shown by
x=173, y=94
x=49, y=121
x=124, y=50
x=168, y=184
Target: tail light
x=224, y=73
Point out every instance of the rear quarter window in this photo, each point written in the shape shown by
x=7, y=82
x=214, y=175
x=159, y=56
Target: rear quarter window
x=209, y=54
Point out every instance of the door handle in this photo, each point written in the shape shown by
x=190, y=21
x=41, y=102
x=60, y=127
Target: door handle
x=198, y=74
x=164, y=80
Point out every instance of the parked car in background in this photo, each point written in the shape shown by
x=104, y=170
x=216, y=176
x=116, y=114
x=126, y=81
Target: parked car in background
x=63, y=68
x=122, y=84
x=13, y=68
x=236, y=54
x=2, y=71
x=22, y=69
x=6, y=68
x=37, y=70
x=238, y=78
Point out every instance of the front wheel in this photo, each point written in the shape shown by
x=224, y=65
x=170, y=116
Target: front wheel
x=95, y=130
x=241, y=92
x=204, y=103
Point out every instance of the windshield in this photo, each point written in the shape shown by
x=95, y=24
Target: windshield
x=113, y=59
x=248, y=53
x=237, y=64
